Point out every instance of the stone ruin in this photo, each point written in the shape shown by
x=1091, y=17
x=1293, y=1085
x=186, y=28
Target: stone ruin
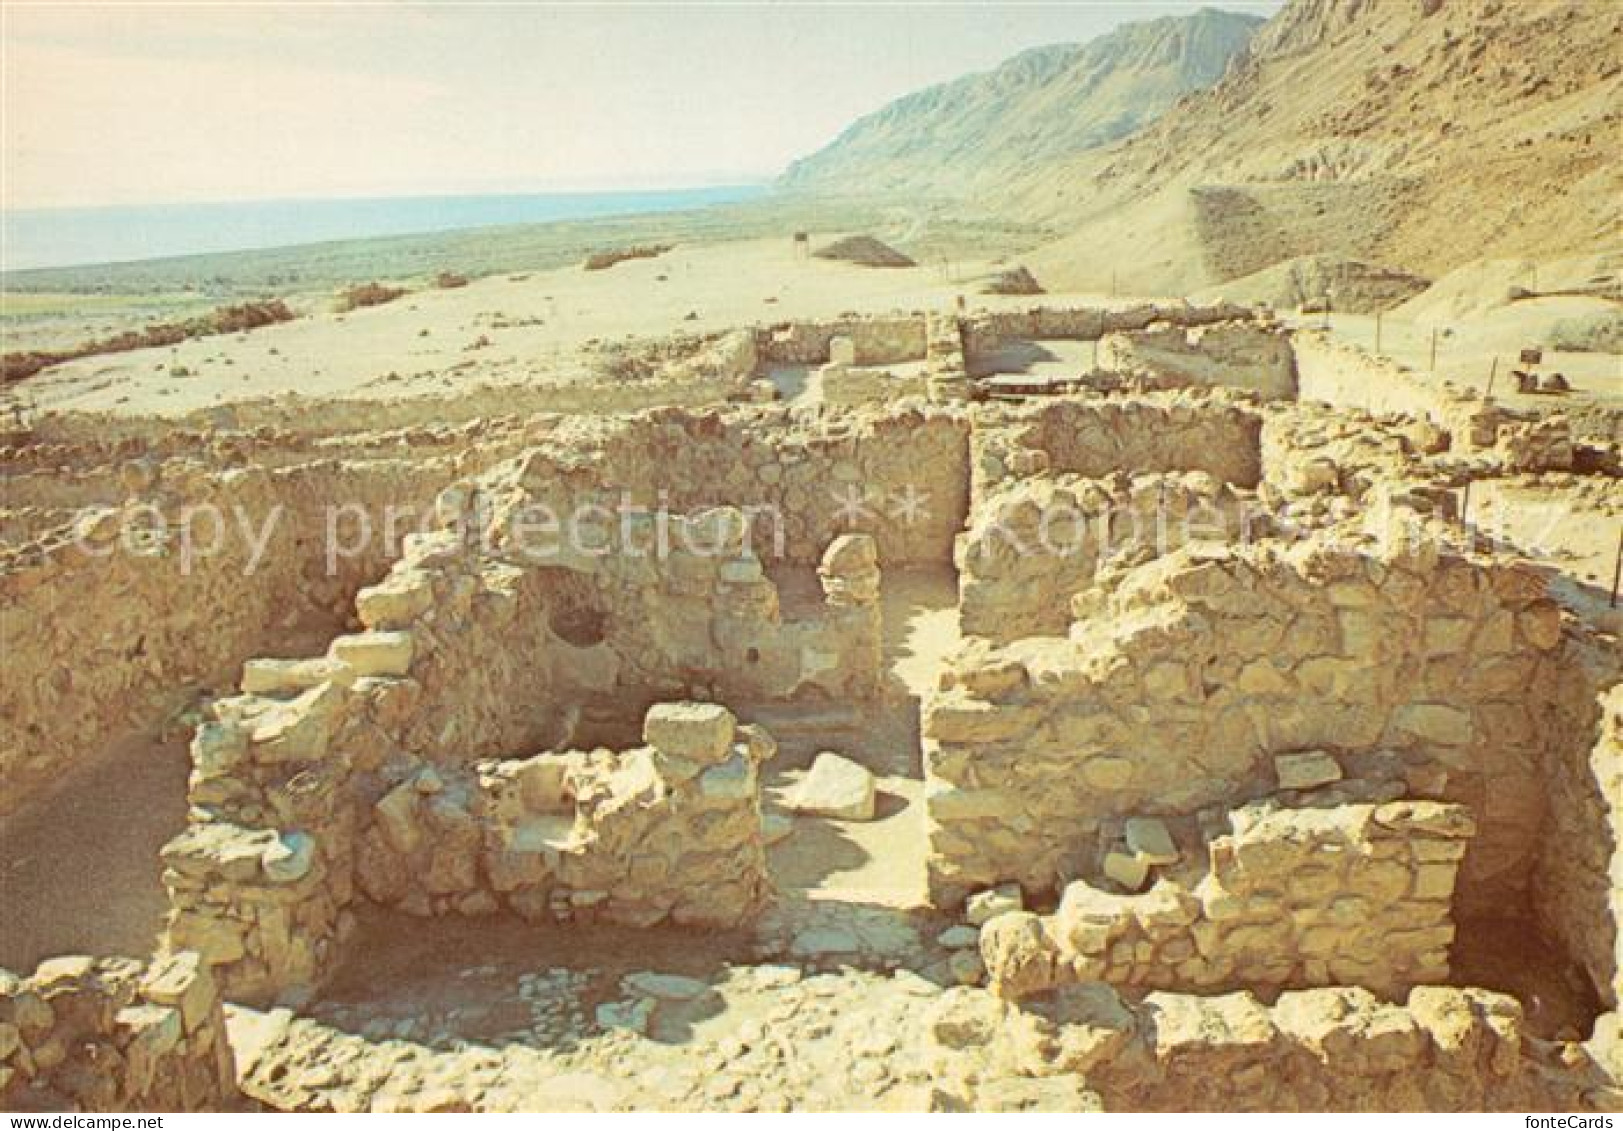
x=1245, y=736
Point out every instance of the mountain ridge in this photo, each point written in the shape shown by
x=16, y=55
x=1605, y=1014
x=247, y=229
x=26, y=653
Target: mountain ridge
x=1044, y=104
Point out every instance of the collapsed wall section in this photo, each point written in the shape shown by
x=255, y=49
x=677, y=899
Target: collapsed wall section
x=114, y=1035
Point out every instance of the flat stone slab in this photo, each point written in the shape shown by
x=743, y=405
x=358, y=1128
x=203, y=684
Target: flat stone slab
x=1126, y=869
x=1306, y=770
x=665, y=987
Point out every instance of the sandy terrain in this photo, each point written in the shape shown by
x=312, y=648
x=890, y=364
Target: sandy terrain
x=1467, y=350
x=502, y=330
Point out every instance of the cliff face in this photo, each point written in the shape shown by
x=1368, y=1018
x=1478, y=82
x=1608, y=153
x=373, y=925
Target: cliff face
x=1413, y=135
x=1418, y=134
x=981, y=131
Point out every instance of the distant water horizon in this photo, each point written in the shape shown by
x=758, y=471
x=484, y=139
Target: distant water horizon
x=85, y=237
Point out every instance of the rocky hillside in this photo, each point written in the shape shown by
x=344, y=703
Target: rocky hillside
x=1042, y=106
x=1414, y=134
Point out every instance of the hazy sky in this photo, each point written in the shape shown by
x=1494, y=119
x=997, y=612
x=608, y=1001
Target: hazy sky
x=159, y=102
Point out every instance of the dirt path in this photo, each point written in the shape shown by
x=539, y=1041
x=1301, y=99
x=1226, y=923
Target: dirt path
x=79, y=869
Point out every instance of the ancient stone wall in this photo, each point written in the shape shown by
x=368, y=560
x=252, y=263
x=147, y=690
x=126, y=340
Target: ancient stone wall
x=295, y=415
x=1348, y=378
x=150, y=600
x=1235, y=355
x=667, y=832
x=1033, y=543
x=114, y=1035
x=466, y=658
x=897, y=474
x=1095, y=438
x=876, y=340
x=984, y=333
x=1309, y=893
x=1579, y=877
x=1331, y=1049
x=1184, y=680
x=845, y=386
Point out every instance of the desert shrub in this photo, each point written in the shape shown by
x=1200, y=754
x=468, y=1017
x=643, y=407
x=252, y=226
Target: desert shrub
x=366, y=294
x=224, y=320
x=450, y=280
x=603, y=260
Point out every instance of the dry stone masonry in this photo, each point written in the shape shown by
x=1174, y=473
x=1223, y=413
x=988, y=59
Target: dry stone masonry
x=1230, y=746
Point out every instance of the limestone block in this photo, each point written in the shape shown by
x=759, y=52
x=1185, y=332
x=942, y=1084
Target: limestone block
x=1127, y=869
x=665, y=987
x=732, y=780
x=1149, y=839
x=1426, y=818
x=396, y=814
x=972, y=804
x=1190, y=1026
x=956, y=718
x=289, y=857
x=215, y=850
x=152, y=1032
x=397, y=601
x=1108, y=772
x=834, y=787
x=299, y=729
x=699, y=732
x=288, y=677
x=966, y=1018
x=182, y=980
x=217, y=748
x=1307, y=769
x=218, y=939
x=378, y=653
x=1434, y=722
x=1434, y=881
x=984, y=906
x=1540, y=623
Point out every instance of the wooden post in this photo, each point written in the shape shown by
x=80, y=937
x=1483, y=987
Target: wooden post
x=1617, y=569
x=1434, y=349
x=1465, y=503
x=1493, y=371
x=1112, y=282
x=1377, y=331
x=1095, y=355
